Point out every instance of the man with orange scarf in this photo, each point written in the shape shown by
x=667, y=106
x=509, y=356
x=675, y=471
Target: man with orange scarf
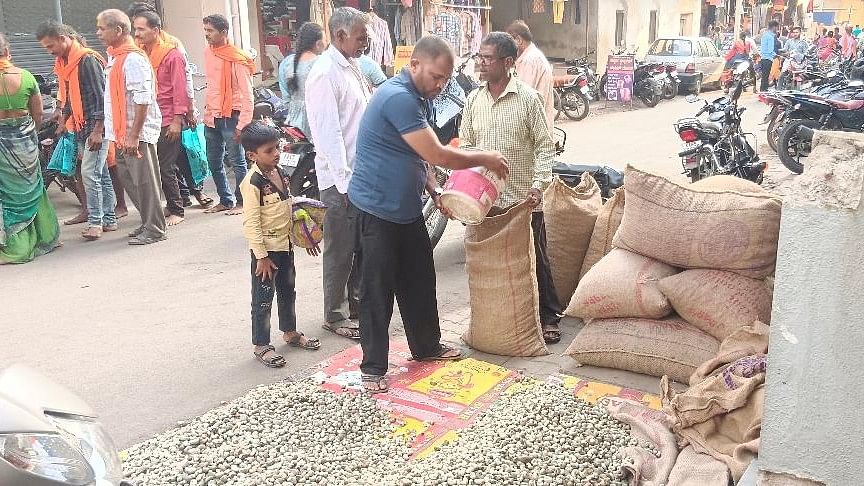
x=80, y=92
x=228, y=110
x=169, y=64
x=133, y=122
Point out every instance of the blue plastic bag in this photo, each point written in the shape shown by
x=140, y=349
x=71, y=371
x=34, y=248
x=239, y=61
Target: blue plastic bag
x=65, y=153
x=196, y=151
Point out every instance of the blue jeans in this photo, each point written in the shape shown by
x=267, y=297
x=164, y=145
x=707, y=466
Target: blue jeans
x=263, y=291
x=97, y=185
x=219, y=139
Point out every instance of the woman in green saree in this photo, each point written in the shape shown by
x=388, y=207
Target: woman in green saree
x=28, y=224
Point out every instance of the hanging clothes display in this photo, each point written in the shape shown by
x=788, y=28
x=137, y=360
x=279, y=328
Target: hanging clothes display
x=448, y=25
x=320, y=12
x=380, y=42
x=539, y=6
x=408, y=27
x=557, y=11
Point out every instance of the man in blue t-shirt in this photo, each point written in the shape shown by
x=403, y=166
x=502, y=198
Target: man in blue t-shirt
x=768, y=51
x=385, y=195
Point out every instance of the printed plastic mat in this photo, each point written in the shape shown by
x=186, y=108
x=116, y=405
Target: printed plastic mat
x=435, y=400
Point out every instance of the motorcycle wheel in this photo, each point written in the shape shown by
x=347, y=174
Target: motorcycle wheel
x=436, y=222
x=670, y=91
x=574, y=104
x=557, y=105
x=775, y=128
x=602, y=88
x=703, y=171
x=304, y=180
x=790, y=148
x=650, y=98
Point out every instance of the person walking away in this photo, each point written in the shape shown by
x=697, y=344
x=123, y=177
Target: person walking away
x=267, y=211
x=848, y=44
x=229, y=102
x=132, y=122
x=533, y=68
x=827, y=45
x=169, y=65
x=507, y=115
x=386, y=205
x=371, y=71
x=293, y=71
x=768, y=51
x=81, y=88
x=28, y=224
x=336, y=97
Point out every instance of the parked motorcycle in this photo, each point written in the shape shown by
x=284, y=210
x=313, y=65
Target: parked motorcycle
x=583, y=66
x=50, y=437
x=298, y=153
x=571, y=96
x=48, y=138
x=820, y=114
x=719, y=145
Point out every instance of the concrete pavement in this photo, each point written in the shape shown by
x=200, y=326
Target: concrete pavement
x=152, y=335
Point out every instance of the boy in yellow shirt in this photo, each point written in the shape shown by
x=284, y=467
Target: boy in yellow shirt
x=266, y=226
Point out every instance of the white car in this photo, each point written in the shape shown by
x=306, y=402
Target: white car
x=697, y=59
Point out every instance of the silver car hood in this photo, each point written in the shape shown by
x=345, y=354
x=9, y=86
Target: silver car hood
x=25, y=396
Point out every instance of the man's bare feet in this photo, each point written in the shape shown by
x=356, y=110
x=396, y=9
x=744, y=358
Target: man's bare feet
x=121, y=212
x=217, y=208
x=80, y=218
x=235, y=210
x=173, y=220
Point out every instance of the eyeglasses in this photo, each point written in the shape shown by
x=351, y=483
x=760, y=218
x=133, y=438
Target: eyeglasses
x=483, y=59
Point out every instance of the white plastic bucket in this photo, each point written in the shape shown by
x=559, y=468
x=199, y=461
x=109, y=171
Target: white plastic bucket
x=469, y=194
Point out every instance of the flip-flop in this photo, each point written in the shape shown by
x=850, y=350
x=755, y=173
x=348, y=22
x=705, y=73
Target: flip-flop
x=311, y=344
x=275, y=361
x=350, y=334
x=217, y=209
x=552, y=336
x=375, y=383
x=204, y=200
x=440, y=356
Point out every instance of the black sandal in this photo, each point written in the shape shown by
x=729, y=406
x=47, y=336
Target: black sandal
x=551, y=336
x=440, y=356
x=375, y=383
x=274, y=361
x=297, y=341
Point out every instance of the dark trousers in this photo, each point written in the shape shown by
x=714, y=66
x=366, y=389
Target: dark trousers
x=185, y=180
x=168, y=153
x=550, y=308
x=395, y=261
x=282, y=286
x=765, y=66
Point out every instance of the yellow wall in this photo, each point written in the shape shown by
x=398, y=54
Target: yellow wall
x=851, y=11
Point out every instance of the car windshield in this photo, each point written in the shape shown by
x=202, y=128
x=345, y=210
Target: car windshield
x=672, y=47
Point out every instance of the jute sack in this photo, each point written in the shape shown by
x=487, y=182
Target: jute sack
x=696, y=469
x=604, y=229
x=718, y=302
x=499, y=258
x=727, y=183
x=667, y=347
x=569, y=214
x=622, y=284
x=689, y=228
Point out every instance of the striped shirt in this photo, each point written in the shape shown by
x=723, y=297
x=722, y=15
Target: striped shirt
x=139, y=91
x=515, y=125
x=92, y=82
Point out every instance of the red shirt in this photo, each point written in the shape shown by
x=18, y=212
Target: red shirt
x=172, y=97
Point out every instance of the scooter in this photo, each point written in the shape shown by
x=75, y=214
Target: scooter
x=50, y=437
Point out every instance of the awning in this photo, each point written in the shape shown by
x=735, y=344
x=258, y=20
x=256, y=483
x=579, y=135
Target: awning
x=824, y=18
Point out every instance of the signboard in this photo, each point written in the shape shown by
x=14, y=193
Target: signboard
x=619, y=78
x=403, y=58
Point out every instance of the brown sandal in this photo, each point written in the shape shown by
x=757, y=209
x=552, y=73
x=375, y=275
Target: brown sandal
x=301, y=341
x=274, y=361
x=441, y=356
x=346, y=332
x=375, y=383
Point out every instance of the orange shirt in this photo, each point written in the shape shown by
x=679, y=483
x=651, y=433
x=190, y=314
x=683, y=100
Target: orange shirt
x=242, y=98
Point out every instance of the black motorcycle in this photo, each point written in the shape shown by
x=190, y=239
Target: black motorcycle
x=719, y=145
x=298, y=153
x=820, y=114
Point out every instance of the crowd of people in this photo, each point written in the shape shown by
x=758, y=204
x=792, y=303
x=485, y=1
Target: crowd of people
x=375, y=147
x=127, y=113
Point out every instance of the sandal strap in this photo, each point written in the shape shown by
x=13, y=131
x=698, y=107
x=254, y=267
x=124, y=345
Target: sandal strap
x=260, y=353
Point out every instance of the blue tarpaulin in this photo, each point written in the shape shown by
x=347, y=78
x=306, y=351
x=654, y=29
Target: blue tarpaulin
x=824, y=18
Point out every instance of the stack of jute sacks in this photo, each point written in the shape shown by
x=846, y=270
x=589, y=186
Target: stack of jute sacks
x=687, y=267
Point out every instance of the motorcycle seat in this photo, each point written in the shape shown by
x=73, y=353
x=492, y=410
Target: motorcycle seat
x=561, y=81
x=709, y=126
x=847, y=105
